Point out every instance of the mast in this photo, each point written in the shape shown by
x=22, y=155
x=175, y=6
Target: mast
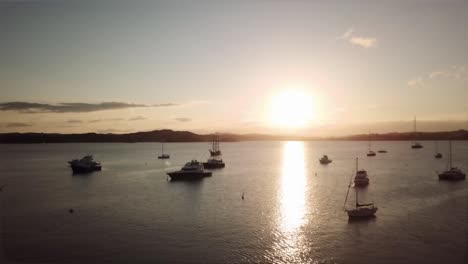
x=414, y=130
x=347, y=193
x=450, y=154
x=162, y=148
x=370, y=140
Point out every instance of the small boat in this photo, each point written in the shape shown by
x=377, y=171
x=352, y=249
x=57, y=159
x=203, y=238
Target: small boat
x=163, y=156
x=360, y=210
x=325, y=160
x=215, y=151
x=452, y=173
x=370, y=153
x=192, y=170
x=382, y=151
x=415, y=144
x=361, y=179
x=214, y=164
x=438, y=155
x=85, y=165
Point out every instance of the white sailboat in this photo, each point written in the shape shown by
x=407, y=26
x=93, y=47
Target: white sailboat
x=415, y=144
x=452, y=173
x=163, y=156
x=370, y=153
x=359, y=210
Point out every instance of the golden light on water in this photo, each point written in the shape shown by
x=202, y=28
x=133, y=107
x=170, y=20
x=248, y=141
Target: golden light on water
x=291, y=109
x=293, y=186
x=292, y=199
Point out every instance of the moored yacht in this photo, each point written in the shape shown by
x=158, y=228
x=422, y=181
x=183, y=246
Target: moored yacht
x=415, y=144
x=213, y=163
x=360, y=210
x=438, y=155
x=452, y=173
x=360, y=179
x=163, y=156
x=215, y=151
x=325, y=160
x=85, y=164
x=370, y=153
x=192, y=170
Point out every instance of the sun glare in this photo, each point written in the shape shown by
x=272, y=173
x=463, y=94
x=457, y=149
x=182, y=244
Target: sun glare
x=291, y=109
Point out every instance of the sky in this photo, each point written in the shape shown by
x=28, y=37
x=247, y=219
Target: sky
x=217, y=66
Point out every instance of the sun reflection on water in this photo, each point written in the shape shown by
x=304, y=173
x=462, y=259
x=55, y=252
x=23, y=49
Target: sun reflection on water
x=290, y=244
x=293, y=187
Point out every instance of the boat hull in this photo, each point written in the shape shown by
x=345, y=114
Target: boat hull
x=325, y=162
x=164, y=157
x=416, y=146
x=85, y=169
x=208, y=165
x=183, y=176
x=361, y=212
x=447, y=176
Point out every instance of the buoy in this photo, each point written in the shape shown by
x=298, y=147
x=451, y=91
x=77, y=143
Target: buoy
x=242, y=196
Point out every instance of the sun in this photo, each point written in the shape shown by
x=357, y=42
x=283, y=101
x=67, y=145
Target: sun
x=291, y=109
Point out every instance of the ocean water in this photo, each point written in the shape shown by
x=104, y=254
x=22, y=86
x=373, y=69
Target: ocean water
x=292, y=212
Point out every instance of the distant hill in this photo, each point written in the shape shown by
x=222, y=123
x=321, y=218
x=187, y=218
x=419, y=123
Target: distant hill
x=167, y=135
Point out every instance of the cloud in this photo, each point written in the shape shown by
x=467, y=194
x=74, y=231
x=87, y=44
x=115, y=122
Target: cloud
x=28, y=107
x=416, y=82
x=18, y=124
x=347, y=34
x=105, y=120
x=457, y=73
x=114, y=131
x=365, y=42
x=183, y=119
x=137, y=118
x=74, y=121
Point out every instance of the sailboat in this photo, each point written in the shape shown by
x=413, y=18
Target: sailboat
x=415, y=145
x=215, y=151
x=438, y=155
x=163, y=156
x=360, y=210
x=452, y=173
x=370, y=153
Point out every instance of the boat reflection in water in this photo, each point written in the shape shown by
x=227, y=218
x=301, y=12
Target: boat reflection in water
x=292, y=202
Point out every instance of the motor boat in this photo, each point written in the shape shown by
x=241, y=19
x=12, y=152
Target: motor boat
x=85, y=165
x=192, y=170
x=360, y=179
x=213, y=163
x=325, y=160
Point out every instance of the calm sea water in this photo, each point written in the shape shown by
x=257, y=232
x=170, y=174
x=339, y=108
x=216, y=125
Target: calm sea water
x=292, y=211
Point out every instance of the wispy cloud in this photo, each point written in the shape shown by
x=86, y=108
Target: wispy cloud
x=105, y=120
x=137, y=118
x=28, y=107
x=74, y=121
x=457, y=73
x=365, y=42
x=416, y=82
x=18, y=124
x=183, y=119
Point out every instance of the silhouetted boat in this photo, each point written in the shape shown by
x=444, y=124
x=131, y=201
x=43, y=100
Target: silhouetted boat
x=360, y=179
x=415, y=144
x=452, y=173
x=438, y=155
x=192, y=170
x=163, y=156
x=214, y=164
x=325, y=160
x=370, y=153
x=382, y=151
x=215, y=151
x=360, y=210
x=85, y=165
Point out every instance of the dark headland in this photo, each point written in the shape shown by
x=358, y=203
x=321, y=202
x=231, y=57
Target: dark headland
x=167, y=135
